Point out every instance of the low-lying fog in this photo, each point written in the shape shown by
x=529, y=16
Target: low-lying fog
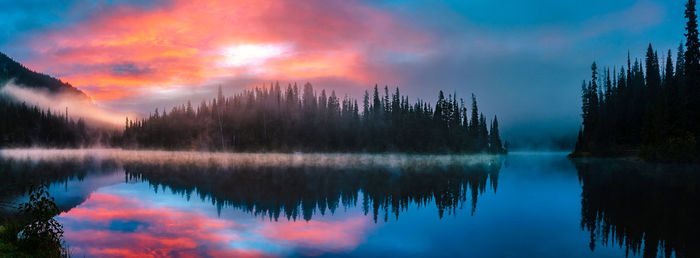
x=221, y=159
x=58, y=102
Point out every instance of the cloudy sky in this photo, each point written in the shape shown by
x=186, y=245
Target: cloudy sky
x=523, y=59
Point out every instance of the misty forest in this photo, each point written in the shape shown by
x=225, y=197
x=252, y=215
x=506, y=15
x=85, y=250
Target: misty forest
x=268, y=119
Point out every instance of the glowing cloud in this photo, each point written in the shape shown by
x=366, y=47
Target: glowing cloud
x=125, y=227
x=122, y=51
x=245, y=55
x=124, y=224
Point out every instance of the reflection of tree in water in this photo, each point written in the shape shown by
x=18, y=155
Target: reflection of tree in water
x=654, y=207
x=35, y=233
x=300, y=192
x=17, y=176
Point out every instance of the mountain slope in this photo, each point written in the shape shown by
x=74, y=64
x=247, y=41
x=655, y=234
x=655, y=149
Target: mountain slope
x=22, y=86
x=12, y=70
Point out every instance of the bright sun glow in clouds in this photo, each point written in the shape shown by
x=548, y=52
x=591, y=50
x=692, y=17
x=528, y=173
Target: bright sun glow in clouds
x=253, y=55
x=119, y=53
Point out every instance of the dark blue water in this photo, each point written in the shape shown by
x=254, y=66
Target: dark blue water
x=522, y=205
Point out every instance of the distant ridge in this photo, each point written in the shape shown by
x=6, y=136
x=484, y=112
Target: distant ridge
x=11, y=69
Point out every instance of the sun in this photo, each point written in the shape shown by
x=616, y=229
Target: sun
x=253, y=55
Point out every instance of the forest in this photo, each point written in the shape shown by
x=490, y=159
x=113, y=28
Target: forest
x=270, y=119
x=646, y=107
x=24, y=125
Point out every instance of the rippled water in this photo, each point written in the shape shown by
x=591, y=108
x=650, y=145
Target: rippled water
x=140, y=203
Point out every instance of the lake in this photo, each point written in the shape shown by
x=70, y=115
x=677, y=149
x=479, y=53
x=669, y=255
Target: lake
x=156, y=203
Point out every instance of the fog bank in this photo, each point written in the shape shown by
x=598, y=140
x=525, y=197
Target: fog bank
x=78, y=107
x=223, y=159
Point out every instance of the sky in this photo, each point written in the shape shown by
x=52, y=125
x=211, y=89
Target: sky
x=524, y=60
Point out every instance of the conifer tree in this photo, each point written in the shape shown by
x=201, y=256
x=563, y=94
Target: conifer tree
x=654, y=114
x=495, y=144
x=265, y=119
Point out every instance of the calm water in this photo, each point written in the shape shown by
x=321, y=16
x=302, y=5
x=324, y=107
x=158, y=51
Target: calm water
x=117, y=203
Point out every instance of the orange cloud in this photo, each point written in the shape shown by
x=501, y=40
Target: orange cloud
x=119, y=52
x=157, y=231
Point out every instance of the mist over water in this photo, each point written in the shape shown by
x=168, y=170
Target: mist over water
x=314, y=204
x=224, y=159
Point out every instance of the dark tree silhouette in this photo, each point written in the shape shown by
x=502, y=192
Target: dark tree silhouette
x=268, y=119
x=649, y=210
x=23, y=125
x=302, y=192
x=647, y=111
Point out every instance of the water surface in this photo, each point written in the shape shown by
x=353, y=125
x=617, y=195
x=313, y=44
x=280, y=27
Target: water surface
x=132, y=203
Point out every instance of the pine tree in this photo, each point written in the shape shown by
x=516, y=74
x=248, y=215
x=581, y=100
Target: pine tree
x=376, y=104
x=652, y=66
x=668, y=73
x=474, y=122
x=483, y=134
x=692, y=72
x=495, y=144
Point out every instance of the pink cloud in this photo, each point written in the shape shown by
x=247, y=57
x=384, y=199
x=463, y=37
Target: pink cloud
x=161, y=231
x=186, y=43
x=115, y=226
x=321, y=235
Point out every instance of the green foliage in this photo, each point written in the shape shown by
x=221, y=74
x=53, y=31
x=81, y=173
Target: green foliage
x=37, y=233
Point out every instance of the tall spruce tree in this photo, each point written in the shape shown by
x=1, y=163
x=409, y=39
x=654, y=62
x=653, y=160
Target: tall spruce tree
x=495, y=144
x=692, y=62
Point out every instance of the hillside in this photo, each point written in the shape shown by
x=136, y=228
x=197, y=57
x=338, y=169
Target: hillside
x=10, y=69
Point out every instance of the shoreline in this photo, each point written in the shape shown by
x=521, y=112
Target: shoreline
x=629, y=157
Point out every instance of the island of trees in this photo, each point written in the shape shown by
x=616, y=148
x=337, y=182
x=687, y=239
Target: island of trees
x=645, y=108
x=272, y=119
x=263, y=119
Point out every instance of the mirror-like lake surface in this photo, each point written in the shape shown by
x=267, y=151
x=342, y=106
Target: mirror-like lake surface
x=138, y=203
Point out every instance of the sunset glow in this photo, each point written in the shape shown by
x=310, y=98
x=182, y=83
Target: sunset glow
x=252, y=55
x=349, y=128
x=123, y=51
x=122, y=225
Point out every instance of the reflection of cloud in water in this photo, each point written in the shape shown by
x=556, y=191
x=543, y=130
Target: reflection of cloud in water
x=115, y=222
x=247, y=159
x=318, y=236
x=137, y=219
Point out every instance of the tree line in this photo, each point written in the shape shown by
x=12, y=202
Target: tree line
x=269, y=118
x=23, y=125
x=647, y=107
